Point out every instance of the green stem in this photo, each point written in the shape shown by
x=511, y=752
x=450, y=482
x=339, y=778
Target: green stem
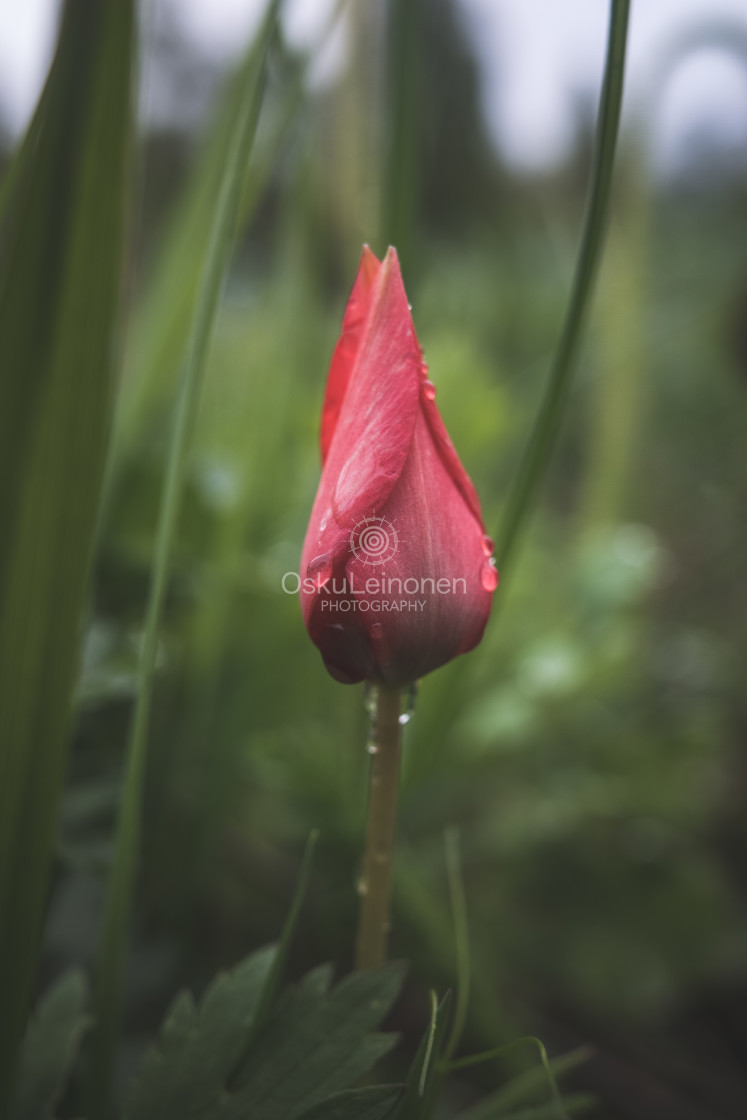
x=400, y=212
x=376, y=882
x=545, y=428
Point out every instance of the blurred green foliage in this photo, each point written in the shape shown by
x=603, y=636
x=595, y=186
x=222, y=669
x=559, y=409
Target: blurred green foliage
x=591, y=751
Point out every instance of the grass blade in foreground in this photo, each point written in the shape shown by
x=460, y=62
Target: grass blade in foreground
x=556, y=1105
x=546, y=425
x=155, y=347
x=118, y=904
x=62, y=233
x=461, y=938
x=444, y=702
x=423, y=1078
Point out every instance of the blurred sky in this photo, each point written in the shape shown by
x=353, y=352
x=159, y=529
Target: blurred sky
x=538, y=58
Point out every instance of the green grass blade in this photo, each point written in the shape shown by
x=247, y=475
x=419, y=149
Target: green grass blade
x=61, y=237
x=424, y=1074
x=399, y=204
x=537, y=454
x=162, y=320
x=524, y=1085
x=215, y=261
x=556, y=1103
x=272, y=980
x=461, y=938
x=576, y=1104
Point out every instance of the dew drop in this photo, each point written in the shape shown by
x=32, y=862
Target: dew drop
x=377, y=630
x=489, y=575
x=372, y=748
x=362, y=887
x=369, y=699
x=411, y=696
x=487, y=546
x=320, y=570
x=429, y=390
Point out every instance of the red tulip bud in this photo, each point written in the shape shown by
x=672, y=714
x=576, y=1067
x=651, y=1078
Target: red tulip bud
x=396, y=571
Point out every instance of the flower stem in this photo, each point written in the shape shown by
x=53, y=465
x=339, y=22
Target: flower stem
x=376, y=882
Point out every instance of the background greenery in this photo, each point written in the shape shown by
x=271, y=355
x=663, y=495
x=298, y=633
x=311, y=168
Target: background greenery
x=592, y=750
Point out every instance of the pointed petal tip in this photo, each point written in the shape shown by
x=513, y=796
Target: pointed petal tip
x=369, y=264
x=391, y=260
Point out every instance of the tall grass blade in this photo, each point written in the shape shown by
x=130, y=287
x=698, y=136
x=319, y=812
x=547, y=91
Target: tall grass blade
x=534, y=463
x=423, y=1077
x=162, y=321
x=61, y=240
x=215, y=258
x=461, y=938
x=399, y=203
x=556, y=1102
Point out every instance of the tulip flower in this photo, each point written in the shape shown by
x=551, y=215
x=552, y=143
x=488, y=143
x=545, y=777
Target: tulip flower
x=396, y=572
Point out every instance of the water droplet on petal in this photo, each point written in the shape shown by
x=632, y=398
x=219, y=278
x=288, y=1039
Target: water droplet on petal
x=429, y=390
x=489, y=575
x=377, y=630
x=487, y=545
x=320, y=570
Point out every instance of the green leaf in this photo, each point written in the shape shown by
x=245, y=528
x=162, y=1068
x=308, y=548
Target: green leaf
x=316, y=1043
x=185, y=1073
x=357, y=1104
x=61, y=263
x=423, y=1079
x=50, y=1047
x=189, y=1069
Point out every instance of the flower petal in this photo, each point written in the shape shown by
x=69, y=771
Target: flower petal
x=449, y=457
x=431, y=605
x=346, y=350
x=373, y=432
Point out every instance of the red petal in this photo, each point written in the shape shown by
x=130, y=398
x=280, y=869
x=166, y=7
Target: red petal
x=439, y=538
x=346, y=351
x=373, y=433
x=449, y=457
x=388, y=456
